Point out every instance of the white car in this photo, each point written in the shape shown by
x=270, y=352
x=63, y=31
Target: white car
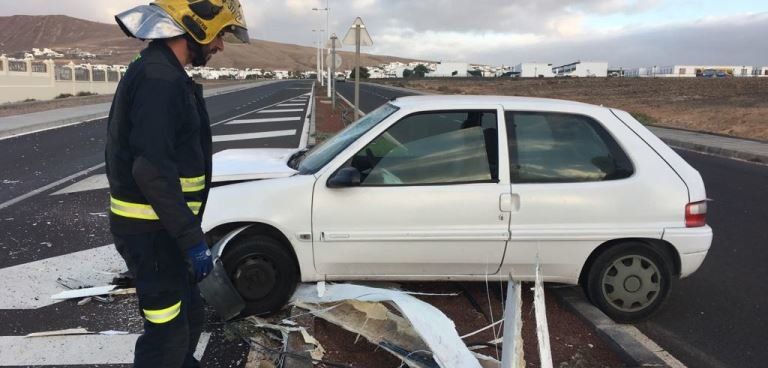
x=461, y=188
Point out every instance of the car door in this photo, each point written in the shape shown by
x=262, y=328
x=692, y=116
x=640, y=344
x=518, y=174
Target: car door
x=575, y=187
x=428, y=202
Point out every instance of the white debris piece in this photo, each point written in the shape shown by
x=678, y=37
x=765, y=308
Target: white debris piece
x=437, y=330
x=81, y=293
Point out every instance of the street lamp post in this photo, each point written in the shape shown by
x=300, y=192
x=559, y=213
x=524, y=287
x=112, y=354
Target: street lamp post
x=318, y=55
x=327, y=11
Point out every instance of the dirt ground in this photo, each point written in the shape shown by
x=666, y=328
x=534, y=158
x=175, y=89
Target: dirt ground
x=573, y=343
x=734, y=106
x=18, y=108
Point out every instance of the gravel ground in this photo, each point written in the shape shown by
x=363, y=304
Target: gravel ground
x=733, y=106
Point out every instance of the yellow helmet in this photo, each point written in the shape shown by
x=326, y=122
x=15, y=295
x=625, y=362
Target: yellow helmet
x=205, y=19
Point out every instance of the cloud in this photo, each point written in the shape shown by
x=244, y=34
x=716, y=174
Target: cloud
x=491, y=31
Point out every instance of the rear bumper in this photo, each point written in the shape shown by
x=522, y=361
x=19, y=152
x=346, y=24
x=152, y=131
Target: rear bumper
x=692, y=244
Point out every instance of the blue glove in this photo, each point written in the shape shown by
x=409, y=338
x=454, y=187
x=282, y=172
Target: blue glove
x=202, y=262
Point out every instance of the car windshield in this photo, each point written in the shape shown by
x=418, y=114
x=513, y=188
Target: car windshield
x=324, y=152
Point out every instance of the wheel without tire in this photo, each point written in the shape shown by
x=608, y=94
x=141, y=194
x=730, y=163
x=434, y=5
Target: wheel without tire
x=263, y=271
x=629, y=281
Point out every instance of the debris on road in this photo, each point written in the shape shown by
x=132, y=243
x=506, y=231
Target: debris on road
x=82, y=293
x=362, y=305
x=73, y=332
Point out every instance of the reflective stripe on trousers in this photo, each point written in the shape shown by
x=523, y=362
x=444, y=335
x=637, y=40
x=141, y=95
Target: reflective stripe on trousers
x=142, y=211
x=162, y=315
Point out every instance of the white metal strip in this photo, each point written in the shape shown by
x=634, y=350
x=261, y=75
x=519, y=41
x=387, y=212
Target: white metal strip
x=512, y=347
x=245, y=136
x=30, y=285
x=542, y=328
x=277, y=111
x=75, y=350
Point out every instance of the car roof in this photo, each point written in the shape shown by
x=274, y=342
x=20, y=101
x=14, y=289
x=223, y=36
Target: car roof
x=508, y=102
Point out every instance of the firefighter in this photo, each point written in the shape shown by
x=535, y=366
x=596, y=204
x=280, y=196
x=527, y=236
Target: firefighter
x=158, y=161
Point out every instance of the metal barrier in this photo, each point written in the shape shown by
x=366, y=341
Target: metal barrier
x=99, y=75
x=39, y=67
x=17, y=66
x=63, y=73
x=81, y=75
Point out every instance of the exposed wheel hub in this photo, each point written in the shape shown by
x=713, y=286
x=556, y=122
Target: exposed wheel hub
x=255, y=278
x=632, y=284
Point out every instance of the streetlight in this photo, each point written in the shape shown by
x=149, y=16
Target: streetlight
x=327, y=11
x=317, y=53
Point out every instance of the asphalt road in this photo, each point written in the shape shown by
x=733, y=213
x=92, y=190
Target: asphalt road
x=717, y=317
x=44, y=232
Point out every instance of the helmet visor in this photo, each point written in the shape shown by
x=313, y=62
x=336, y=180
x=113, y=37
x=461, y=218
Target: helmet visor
x=240, y=33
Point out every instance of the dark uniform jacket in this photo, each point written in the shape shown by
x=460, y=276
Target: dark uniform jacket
x=158, y=154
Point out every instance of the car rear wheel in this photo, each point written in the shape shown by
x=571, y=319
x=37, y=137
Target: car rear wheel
x=629, y=281
x=263, y=271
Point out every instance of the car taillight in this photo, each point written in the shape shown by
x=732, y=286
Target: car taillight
x=696, y=214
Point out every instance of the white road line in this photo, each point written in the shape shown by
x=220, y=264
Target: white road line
x=244, y=136
x=250, y=112
x=75, y=350
x=49, y=186
x=279, y=111
x=267, y=120
x=30, y=285
x=290, y=104
x=90, y=183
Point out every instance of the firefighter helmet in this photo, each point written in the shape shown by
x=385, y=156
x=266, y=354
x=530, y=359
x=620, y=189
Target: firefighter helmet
x=205, y=19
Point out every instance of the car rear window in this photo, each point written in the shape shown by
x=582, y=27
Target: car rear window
x=547, y=147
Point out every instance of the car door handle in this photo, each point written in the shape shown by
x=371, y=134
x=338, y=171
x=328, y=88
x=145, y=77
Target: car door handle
x=509, y=202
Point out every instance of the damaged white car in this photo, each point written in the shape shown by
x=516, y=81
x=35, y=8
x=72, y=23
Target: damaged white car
x=461, y=188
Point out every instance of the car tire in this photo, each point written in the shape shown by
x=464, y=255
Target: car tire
x=629, y=281
x=263, y=271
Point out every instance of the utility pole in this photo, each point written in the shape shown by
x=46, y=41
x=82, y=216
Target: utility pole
x=318, y=54
x=333, y=60
x=326, y=10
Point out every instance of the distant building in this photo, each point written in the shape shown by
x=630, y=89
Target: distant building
x=761, y=71
x=533, y=70
x=46, y=52
x=582, y=69
x=450, y=69
x=692, y=71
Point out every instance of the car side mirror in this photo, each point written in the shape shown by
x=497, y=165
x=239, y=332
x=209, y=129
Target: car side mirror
x=346, y=177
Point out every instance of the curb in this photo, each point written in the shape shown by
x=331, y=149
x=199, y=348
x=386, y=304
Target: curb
x=717, y=151
x=633, y=347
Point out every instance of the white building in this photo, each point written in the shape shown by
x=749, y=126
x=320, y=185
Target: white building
x=692, y=71
x=582, y=69
x=533, y=70
x=46, y=52
x=450, y=69
x=761, y=71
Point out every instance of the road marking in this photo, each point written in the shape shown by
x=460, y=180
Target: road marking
x=267, y=120
x=49, y=186
x=250, y=112
x=279, y=111
x=90, y=183
x=245, y=136
x=75, y=350
x=290, y=104
x=30, y=285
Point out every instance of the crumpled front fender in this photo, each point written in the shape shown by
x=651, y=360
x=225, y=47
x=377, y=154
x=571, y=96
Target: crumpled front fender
x=217, y=288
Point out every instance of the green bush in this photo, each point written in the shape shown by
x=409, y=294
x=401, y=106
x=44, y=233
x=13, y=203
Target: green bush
x=63, y=95
x=644, y=118
x=85, y=93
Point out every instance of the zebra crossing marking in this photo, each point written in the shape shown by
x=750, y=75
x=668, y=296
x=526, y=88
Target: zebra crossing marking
x=245, y=136
x=267, y=120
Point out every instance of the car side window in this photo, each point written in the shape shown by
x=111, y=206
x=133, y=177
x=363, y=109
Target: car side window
x=440, y=147
x=562, y=148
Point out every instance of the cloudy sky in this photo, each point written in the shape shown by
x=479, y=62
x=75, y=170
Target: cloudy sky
x=626, y=33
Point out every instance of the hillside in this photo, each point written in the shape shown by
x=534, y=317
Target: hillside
x=23, y=32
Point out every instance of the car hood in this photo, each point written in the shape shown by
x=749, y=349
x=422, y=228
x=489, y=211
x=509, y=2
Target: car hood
x=252, y=164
